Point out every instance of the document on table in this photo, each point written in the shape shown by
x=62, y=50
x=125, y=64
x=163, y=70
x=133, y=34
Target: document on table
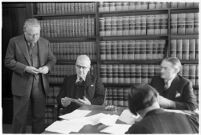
x=75, y=114
x=116, y=129
x=127, y=117
x=66, y=126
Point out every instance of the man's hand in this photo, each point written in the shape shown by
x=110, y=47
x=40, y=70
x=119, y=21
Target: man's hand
x=65, y=101
x=85, y=101
x=44, y=69
x=32, y=70
x=166, y=103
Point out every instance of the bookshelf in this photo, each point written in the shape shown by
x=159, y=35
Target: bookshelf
x=125, y=41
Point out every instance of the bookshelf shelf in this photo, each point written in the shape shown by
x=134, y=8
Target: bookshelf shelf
x=192, y=36
x=133, y=12
x=71, y=39
x=134, y=37
x=130, y=61
x=184, y=10
x=189, y=61
x=53, y=16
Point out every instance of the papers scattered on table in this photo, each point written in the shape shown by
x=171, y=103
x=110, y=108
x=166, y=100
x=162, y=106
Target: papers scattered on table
x=65, y=126
x=127, y=117
x=75, y=114
x=116, y=129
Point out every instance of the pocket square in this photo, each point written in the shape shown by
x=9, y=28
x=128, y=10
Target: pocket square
x=92, y=85
x=177, y=95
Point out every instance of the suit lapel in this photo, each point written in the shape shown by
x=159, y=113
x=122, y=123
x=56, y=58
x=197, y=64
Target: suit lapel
x=23, y=46
x=173, y=88
x=90, y=86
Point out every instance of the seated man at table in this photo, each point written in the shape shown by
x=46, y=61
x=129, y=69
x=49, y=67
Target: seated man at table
x=176, y=92
x=143, y=99
x=81, y=88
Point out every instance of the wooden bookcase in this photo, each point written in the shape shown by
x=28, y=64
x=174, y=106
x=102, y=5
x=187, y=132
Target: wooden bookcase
x=101, y=12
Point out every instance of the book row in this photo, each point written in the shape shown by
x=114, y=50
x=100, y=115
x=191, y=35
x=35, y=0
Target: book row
x=184, y=23
x=132, y=49
x=80, y=27
x=60, y=8
x=70, y=50
x=184, y=49
x=131, y=73
x=116, y=96
x=134, y=25
x=127, y=6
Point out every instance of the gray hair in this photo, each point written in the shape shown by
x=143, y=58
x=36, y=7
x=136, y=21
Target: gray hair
x=31, y=22
x=175, y=62
x=84, y=57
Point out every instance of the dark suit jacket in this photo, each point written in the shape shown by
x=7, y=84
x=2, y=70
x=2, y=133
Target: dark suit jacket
x=17, y=58
x=180, y=91
x=92, y=86
x=158, y=121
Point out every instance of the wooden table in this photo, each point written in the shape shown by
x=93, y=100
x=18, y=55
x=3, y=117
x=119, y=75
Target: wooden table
x=95, y=109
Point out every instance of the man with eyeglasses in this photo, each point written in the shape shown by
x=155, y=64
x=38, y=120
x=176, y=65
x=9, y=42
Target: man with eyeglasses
x=82, y=88
x=30, y=58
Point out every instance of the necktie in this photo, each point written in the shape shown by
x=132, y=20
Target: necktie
x=166, y=86
x=31, y=45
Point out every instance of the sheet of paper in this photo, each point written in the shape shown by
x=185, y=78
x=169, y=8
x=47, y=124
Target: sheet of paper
x=75, y=114
x=65, y=126
x=116, y=129
x=127, y=117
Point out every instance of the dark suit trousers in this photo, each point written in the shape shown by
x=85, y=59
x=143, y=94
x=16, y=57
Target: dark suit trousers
x=22, y=104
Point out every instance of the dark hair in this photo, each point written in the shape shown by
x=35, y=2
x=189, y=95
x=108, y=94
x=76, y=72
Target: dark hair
x=140, y=97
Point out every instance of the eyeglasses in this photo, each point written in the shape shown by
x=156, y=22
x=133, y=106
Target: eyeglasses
x=83, y=67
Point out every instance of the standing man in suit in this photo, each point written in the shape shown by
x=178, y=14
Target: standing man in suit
x=81, y=88
x=143, y=99
x=30, y=58
x=176, y=92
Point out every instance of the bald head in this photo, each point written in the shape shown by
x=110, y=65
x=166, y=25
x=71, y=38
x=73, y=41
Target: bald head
x=82, y=65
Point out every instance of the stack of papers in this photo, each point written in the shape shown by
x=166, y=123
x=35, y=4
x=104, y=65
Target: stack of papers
x=75, y=114
x=116, y=129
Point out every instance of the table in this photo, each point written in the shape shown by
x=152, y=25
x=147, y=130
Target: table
x=96, y=109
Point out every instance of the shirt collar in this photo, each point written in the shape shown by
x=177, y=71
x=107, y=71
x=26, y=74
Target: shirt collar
x=170, y=81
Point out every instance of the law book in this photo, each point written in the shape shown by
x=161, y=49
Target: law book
x=124, y=50
x=115, y=74
x=119, y=50
x=173, y=48
x=103, y=73
x=174, y=23
x=132, y=73
x=151, y=50
x=192, y=73
x=131, y=49
x=143, y=49
x=192, y=49
x=138, y=25
x=196, y=23
x=143, y=25
x=181, y=23
x=127, y=74
x=109, y=73
x=113, y=26
x=150, y=24
x=157, y=25
x=121, y=73
x=132, y=30
x=163, y=23
x=102, y=27
x=185, y=70
x=185, y=48
x=138, y=74
x=179, y=48
x=189, y=23
x=119, y=26
x=196, y=49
